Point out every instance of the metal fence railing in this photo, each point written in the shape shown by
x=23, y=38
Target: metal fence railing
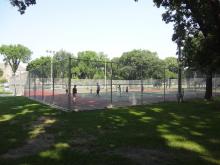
x=55, y=86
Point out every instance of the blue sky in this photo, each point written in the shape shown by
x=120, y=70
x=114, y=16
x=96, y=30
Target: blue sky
x=109, y=26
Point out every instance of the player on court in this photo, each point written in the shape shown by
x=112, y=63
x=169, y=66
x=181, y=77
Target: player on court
x=98, y=89
x=74, y=93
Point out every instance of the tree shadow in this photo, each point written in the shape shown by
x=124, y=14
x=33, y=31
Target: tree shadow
x=165, y=133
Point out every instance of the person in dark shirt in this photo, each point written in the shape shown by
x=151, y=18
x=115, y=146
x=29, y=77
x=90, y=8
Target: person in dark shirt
x=98, y=89
x=119, y=89
x=74, y=93
x=126, y=89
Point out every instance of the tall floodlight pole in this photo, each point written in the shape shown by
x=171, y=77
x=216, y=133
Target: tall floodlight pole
x=179, y=98
x=51, y=53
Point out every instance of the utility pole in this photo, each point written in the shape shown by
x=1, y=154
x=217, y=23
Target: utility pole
x=51, y=53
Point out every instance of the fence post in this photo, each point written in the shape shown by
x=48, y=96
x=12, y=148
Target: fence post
x=69, y=84
x=35, y=86
x=179, y=96
x=111, y=83
x=53, y=85
x=215, y=83
x=164, y=87
x=42, y=79
x=142, y=87
x=29, y=84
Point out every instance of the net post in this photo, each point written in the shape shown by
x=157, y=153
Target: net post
x=69, y=84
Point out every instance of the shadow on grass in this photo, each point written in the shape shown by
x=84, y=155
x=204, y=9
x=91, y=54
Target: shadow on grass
x=165, y=133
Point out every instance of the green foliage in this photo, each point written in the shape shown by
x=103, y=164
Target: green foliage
x=195, y=20
x=137, y=63
x=190, y=18
x=40, y=66
x=22, y=4
x=14, y=54
x=90, y=64
x=61, y=63
x=171, y=67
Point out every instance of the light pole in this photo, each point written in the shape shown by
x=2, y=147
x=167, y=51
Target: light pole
x=51, y=52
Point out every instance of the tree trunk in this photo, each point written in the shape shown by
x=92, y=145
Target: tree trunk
x=208, y=92
x=15, y=90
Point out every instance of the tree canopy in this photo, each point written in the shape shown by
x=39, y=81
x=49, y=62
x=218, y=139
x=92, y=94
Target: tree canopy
x=14, y=55
x=22, y=4
x=137, y=64
x=132, y=65
x=197, y=30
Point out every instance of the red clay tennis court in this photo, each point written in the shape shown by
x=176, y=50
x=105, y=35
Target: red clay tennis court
x=85, y=100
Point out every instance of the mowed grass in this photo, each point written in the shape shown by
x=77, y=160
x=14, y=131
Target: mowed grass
x=165, y=133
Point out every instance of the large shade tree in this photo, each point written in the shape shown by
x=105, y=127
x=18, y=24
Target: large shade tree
x=40, y=67
x=192, y=18
x=14, y=55
x=171, y=66
x=90, y=64
x=138, y=64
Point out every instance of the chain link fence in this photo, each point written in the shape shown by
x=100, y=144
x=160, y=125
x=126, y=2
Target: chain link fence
x=108, y=85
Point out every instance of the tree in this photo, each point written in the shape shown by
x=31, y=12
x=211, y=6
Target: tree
x=90, y=65
x=190, y=18
x=40, y=67
x=61, y=63
x=22, y=4
x=138, y=64
x=14, y=55
x=171, y=66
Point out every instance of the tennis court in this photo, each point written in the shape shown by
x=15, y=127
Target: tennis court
x=54, y=86
x=87, y=99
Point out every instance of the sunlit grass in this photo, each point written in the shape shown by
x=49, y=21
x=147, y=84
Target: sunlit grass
x=189, y=133
x=6, y=117
x=177, y=141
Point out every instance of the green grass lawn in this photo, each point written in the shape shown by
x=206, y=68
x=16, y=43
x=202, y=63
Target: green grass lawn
x=165, y=133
